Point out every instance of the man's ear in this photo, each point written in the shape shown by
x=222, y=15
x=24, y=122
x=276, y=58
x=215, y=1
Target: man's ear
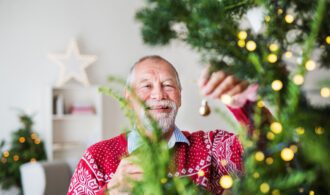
x=126, y=93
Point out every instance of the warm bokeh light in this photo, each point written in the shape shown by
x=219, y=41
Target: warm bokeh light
x=288, y=54
x=289, y=19
x=251, y=45
x=273, y=47
x=277, y=85
x=300, y=130
x=270, y=136
x=287, y=154
x=259, y=156
x=241, y=43
x=319, y=130
x=226, y=99
x=327, y=39
x=298, y=79
x=272, y=58
x=226, y=181
x=276, y=127
x=21, y=139
x=264, y=187
x=325, y=92
x=242, y=35
x=269, y=160
x=310, y=65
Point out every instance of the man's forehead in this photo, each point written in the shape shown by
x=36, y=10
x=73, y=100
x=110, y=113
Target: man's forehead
x=151, y=66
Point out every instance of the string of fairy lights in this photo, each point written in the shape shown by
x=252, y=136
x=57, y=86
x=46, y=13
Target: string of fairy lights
x=16, y=157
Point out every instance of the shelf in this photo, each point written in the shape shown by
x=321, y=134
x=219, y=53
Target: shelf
x=75, y=116
x=63, y=146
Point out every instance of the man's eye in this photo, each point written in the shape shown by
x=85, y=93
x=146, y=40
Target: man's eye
x=146, y=86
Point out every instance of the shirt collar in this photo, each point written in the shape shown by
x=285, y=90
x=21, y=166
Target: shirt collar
x=133, y=139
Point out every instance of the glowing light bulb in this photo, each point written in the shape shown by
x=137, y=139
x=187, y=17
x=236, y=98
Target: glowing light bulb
x=259, y=156
x=269, y=160
x=276, y=192
x=327, y=39
x=279, y=11
x=16, y=157
x=300, y=131
x=256, y=175
x=325, y=92
x=287, y=154
x=310, y=65
x=163, y=180
x=298, y=79
x=241, y=43
x=226, y=182
x=276, y=127
x=267, y=18
x=251, y=45
x=270, y=136
x=260, y=104
x=289, y=19
x=21, y=139
x=288, y=54
x=294, y=148
x=5, y=154
x=277, y=85
x=272, y=58
x=273, y=47
x=242, y=35
x=201, y=173
x=226, y=99
x=264, y=187
x=319, y=130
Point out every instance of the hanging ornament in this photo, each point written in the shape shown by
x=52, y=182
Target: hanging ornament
x=21, y=139
x=204, y=110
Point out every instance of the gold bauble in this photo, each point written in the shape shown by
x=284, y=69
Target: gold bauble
x=204, y=110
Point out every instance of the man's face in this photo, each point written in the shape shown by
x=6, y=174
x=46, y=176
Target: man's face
x=155, y=83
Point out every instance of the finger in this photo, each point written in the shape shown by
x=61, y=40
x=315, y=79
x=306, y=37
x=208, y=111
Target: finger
x=204, y=76
x=213, y=83
x=238, y=88
x=228, y=83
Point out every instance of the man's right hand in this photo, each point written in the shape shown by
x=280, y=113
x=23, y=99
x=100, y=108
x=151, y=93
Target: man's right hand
x=125, y=173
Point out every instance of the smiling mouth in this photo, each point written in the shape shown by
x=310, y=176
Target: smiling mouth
x=159, y=108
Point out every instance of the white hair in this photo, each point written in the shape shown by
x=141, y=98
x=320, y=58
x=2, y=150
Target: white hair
x=130, y=77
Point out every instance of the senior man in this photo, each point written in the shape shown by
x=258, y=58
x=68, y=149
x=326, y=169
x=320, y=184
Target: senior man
x=155, y=81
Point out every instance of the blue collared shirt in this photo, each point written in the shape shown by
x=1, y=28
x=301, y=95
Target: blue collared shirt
x=133, y=139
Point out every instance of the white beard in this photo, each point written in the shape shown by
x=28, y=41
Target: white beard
x=165, y=120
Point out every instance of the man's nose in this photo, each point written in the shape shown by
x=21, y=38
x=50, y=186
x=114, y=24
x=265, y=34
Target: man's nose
x=158, y=93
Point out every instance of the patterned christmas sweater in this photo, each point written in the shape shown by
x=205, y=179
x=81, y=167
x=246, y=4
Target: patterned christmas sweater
x=216, y=153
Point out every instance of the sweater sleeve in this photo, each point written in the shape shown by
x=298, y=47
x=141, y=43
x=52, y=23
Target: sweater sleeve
x=226, y=157
x=84, y=180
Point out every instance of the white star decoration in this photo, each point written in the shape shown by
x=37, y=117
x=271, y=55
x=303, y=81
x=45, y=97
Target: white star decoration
x=72, y=65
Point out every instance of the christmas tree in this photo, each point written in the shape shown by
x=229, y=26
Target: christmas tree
x=25, y=147
x=284, y=154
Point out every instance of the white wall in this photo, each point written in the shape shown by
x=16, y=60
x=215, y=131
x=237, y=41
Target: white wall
x=30, y=30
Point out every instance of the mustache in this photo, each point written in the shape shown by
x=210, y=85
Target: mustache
x=156, y=104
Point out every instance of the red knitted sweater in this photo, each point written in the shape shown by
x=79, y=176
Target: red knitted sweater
x=216, y=153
